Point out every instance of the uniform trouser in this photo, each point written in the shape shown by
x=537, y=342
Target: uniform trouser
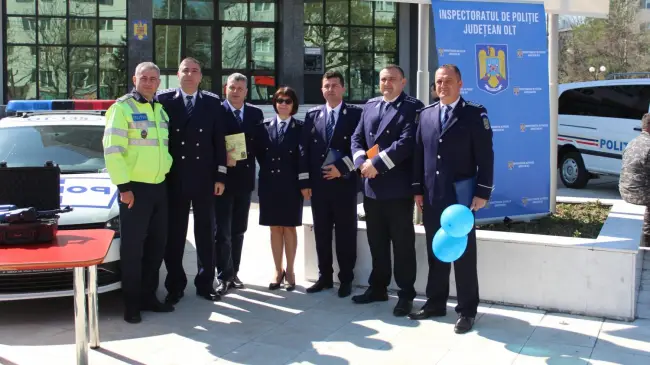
x=337, y=212
x=464, y=268
x=203, y=214
x=144, y=236
x=231, y=212
x=391, y=220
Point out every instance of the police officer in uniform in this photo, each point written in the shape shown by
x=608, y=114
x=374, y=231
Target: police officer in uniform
x=137, y=125
x=197, y=144
x=387, y=126
x=233, y=206
x=453, y=144
x=333, y=187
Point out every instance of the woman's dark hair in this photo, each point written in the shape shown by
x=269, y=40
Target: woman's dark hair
x=287, y=92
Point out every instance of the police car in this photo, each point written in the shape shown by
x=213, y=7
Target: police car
x=597, y=120
x=69, y=133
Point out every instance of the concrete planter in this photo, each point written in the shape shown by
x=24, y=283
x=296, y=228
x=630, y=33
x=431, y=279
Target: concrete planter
x=598, y=277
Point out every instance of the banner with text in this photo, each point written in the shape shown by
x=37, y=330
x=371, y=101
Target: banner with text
x=501, y=50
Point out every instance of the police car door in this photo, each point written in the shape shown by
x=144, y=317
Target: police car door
x=605, y=118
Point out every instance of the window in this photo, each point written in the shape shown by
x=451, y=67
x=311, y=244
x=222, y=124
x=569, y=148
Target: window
x=226, y=36
x=56, y=49
x=615, y=101
x=74, y=148
x=358, y=38
x=647, y=4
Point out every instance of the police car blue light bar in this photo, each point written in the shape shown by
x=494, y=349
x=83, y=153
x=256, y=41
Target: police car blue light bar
x=15, y=106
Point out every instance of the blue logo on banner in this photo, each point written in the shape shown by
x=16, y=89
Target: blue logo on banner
x=491, y=65
x=502, y=53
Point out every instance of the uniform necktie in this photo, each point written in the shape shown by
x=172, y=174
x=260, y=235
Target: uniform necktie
x=382, y=106
x=238, y=116
x=445, y=116
x=330, y=126
x=281, y=132
x=189, y=105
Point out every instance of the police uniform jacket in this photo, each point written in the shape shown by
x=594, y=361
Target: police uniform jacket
x=443, y=157
x=315, y=148
x=241, y=177
x=394, y=136
x=197, y=143
x=136, y=141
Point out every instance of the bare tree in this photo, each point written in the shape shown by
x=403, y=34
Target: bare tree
x=618, y=43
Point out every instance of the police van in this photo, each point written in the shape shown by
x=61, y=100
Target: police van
x=69, y=133
x=597, y=119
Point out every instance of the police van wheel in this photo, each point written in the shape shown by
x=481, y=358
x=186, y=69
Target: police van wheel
x=573, y=173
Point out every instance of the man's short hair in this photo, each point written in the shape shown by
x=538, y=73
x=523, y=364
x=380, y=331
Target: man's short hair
x=145, y=66
x=452, y=67
x=190, y=59
x=645, y=122
x=334, y=74
x=235, y=77
x=394, y=67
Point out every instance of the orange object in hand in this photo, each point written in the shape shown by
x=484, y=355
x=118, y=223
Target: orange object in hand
x=372, y=152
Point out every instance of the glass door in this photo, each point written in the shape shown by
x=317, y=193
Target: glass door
x=250, y=50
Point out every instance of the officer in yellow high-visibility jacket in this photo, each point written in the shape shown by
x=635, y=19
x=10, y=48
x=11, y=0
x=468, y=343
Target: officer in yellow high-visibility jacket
x=137, y=159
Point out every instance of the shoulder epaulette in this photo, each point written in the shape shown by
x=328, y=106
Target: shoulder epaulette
x=124, y=98
x=427, y=107
x=208, y=93
x=167, y=91
x=412, y=100
x=353, y=106
x=375, y=100
x=473, y=104
x=268, y=120
x=252, y=106
x=314, y=109
x=299, y=121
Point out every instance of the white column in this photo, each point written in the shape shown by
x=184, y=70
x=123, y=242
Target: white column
x=424, y=12
x=553, y=64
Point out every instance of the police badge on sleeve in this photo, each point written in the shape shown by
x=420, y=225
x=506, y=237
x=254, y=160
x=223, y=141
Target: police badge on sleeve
x=486, y=121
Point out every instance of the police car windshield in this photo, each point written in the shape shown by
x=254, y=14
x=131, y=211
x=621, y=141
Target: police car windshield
x=76, y=149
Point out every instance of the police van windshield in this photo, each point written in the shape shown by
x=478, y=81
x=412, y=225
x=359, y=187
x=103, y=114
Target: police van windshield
x=76, y=149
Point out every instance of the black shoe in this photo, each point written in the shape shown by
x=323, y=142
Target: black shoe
x=275, y=286
x=236, y=283
x=320, y=285
x=427, y=312
x=222, y=288
x=132, y=317
x=173, y=297
x=345, y=290
x=403, y=307
x=464, y=324
x=155, y=306
x=369, y=296
x=209, y=294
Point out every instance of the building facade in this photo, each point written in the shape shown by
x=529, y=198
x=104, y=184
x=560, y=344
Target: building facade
x=88, y=49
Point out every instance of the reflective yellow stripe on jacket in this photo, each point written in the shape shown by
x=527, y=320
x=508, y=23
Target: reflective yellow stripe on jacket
x=136, y=149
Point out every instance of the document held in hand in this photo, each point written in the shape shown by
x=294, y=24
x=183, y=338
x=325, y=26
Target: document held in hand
x=333, y=155
x=373, y=151
x=465, y=191
x=238, y=143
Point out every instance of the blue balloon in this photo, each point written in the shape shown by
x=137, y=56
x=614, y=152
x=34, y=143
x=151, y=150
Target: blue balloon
x=457, y=220
x=448, y=248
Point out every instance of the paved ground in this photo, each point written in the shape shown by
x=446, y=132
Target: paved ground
x=257, y=326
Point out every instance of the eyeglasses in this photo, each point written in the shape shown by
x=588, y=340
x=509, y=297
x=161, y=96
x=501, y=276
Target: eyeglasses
x=284, y=101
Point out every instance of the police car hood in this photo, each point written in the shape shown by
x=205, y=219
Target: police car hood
x=93, y=197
